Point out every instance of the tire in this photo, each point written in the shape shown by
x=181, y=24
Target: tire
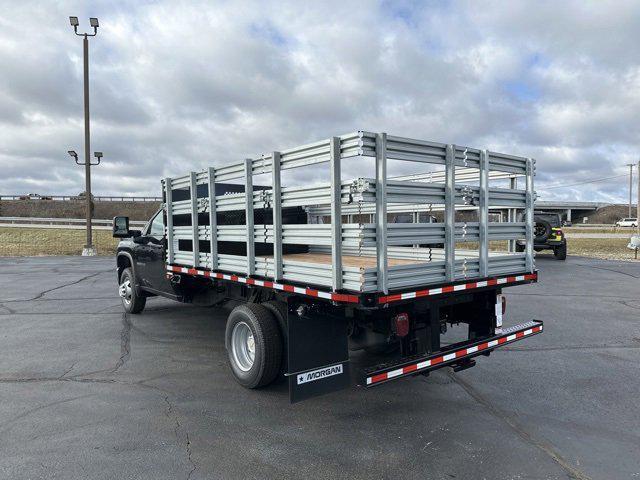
x=131, y=300
x=542, y=230
x=254, y=345
x=560, y=252
x=279, y=311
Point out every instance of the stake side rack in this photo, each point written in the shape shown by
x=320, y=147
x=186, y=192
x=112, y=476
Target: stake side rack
x=348, y=257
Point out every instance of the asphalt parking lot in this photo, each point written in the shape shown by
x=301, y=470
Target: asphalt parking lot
x=87, y=392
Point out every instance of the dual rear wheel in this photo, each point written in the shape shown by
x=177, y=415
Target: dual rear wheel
x=255, y=344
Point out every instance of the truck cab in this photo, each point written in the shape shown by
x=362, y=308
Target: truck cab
x=141, y=263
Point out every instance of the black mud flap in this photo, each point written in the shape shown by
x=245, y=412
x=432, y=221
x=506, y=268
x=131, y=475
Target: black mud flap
x=318, y=351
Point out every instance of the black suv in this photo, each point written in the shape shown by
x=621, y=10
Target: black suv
x=547, y=235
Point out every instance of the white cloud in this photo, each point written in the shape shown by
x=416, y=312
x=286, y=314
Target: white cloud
x=181, y=85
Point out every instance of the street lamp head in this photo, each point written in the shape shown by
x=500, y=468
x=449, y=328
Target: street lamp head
x=74, y=155
x=74, y=21
x=94, y=22
x=97, y=154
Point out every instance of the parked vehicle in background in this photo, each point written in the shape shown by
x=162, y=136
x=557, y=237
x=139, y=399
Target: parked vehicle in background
x=34, y=196
x=627, y=222
x=388, y=281
x=548, y=235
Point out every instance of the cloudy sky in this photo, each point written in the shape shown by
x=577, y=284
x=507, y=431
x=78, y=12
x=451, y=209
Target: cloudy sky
x=182, y=85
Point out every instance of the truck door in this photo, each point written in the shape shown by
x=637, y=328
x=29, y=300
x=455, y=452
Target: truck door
x=150, y=253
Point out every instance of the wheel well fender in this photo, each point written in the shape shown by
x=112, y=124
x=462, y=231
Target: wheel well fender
x=124, y=260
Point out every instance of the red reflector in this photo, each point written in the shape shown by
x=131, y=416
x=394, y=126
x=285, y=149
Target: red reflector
x=401, y=322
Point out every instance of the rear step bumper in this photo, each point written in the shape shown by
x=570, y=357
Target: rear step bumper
x=454, y=356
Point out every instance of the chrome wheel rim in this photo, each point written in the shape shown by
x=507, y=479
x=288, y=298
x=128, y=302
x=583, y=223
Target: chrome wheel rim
x=125, y=291
x=243, y=346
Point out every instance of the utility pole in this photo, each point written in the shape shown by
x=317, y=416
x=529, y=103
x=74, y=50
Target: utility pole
x=88, y=249
x=630, y=165
x=638, y=207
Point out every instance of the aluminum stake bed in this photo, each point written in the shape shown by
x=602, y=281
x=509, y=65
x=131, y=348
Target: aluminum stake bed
x=330, y=268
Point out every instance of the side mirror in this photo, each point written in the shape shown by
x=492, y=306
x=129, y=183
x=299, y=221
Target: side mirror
x=121, y=227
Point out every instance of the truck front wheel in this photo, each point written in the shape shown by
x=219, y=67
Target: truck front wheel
x=254, y=345
x=131, y=300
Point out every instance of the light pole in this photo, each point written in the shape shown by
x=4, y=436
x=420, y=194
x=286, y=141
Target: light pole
x=88, y=248
x=630, y=165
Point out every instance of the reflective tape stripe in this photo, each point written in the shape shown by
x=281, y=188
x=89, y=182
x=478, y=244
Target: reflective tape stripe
x=336, y=297
x=456, y=288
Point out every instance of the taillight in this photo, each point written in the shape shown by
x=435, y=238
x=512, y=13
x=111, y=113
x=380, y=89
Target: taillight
x=401, y=324
x=501, y=304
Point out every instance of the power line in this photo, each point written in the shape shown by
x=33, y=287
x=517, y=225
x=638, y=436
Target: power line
x=583, y=183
